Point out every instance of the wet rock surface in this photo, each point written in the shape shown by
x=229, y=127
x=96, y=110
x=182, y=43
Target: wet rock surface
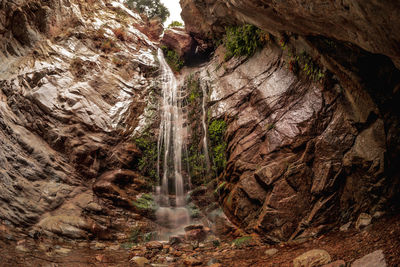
x=71, y=93
x=292, y=146
x=180, y=41
x=345, y=21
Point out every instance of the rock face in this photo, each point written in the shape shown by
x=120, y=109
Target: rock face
x=71, y=93
x=364, y=23
x=303, y=156
x=178, y=40
x=297, y=155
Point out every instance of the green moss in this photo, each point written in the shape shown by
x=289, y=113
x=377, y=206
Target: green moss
x=134, y=235
x=175, y=24
x=194, y=211
x=150, y=236
x=145, y=204
x=305, y=64
x=219, y=152
x=216, y=132
x=148, y=160
x=193, y=86
x=243, y=40
x=127, y=245
x=242, y=241
x=173, y=59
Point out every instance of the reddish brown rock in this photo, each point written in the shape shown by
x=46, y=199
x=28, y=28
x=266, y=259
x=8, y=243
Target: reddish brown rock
x=374, y=259
x=154, y=245
x=338, y=263
x=345, y=21
x=178, y=40
x=196, y=235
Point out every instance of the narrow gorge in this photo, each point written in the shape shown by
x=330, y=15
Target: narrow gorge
x=255, y=133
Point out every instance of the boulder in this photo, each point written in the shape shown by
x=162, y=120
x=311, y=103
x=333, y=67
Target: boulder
x=363, y=220
x=374, y=259
x=315, y=257
x=196, y=235
x=139, y=261
x=179, y=40
x=154, y=245
x=338, y=263
x=270, y=252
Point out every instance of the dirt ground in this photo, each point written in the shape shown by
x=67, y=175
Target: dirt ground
x=348, y=246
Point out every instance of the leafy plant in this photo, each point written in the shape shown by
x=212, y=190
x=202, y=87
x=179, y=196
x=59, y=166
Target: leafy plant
x=173, y=59
x=175, y=24
x=305, y=64
x=145, y=204
x=127, y=245
x=243, y=40
x=151, y=8
x=194, y=86
x=194, y=211
x=149, y=236
x=216, y=132
x=148, y=160
x=242, y=241
x=219, y=187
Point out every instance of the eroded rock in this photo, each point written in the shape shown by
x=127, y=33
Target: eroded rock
x=374, y=259
x=315, y=257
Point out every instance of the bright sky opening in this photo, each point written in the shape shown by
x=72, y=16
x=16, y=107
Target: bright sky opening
x=174, y=9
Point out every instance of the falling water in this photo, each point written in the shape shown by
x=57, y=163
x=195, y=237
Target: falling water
x=205, y=145
x=171, y=195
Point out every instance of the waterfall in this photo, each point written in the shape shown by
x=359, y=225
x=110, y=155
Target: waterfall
x=171, y=194
x=204, y=123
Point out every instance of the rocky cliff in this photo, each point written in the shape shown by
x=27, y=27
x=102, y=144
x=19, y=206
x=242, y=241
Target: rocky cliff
x=77, y=78
x=295, y=155
x=304, y=156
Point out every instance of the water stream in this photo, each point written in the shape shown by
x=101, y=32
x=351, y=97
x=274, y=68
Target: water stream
x=170, y=196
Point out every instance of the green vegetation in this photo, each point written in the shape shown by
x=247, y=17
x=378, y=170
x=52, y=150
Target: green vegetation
x=151, y=8
x=216, y=243
x=194, y=87
x=305, y=64
x=242, y=241
x=146, y=164
x=136, y=237
x=127, y=245
x=145, y=204
x=195, y=157
x=219, y=187
x=243, y=40
x=175, y=24
x=149, y=236
x=196, y=161
x=216, y=132
x=194, y=211
x=173, y=59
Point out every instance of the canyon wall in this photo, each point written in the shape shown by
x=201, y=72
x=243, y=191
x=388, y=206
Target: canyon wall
x=305, y=156
x=77, y=78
